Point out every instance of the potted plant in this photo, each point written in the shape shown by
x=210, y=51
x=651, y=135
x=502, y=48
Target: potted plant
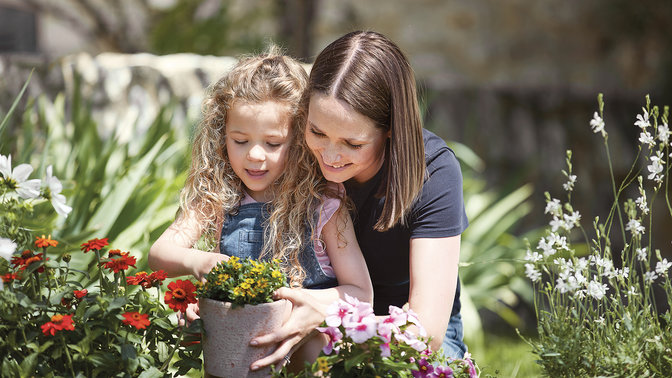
x=236, y=304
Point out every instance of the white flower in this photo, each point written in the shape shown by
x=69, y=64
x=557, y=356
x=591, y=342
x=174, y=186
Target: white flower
x=646, y=138
x=533, y=274
x=632, y=291
x=641, y=203
x=643, y=121
x=546, y=247
x=597, y=124
x=650, y=277
x=635, y=227
x=641, y=254
x=664, y=133
x=557, y=223
x=569, y=185
x=7, y=248
x=572, y=220
x=581, y=264
x=553, y=207
x=18, y=178
x=533, y=256
x=656, y=167
x=596, y=289
x=663, y=266
x=600, y=320
x=53, y=192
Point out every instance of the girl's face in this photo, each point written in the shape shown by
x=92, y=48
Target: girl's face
x=257, y=141
x=346, y=143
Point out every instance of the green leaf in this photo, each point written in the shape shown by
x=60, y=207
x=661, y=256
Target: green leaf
x=15, y=103
x=151, y=373
x=355, y=360
x=28, y=365
x=117, y=303
x=10, y=368
x=114, y=202
x=128, y=352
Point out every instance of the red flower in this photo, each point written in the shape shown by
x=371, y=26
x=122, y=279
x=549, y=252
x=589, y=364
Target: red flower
x=121, y=263
x=43, y=242
x=158, y=276
x=94, y=245
x=79, y=294
x=18, y=261
x=136, y=319
x=58, y=322
x=145, y=280
x=9, y=277
x=115, y=252
x=180, y=294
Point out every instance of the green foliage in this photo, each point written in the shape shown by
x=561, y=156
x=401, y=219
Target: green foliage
x=243, y=282
x=216, y=33
x=490, y=255
x=595, y=318
x=126, y=190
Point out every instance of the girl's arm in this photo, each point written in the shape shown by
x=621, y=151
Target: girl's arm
x=433, y=281
x=173, y=250
x=309, y=306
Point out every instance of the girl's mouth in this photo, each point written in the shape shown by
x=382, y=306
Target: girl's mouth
x=256, y=172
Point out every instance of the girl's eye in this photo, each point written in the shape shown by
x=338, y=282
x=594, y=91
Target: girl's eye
x=239, y=141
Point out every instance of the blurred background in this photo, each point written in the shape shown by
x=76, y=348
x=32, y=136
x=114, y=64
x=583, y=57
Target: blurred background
x=116, y=88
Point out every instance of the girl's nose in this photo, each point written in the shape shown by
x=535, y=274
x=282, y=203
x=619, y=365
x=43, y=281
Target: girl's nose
x=256, y=153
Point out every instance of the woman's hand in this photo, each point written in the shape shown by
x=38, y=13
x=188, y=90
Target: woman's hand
x=307, y=314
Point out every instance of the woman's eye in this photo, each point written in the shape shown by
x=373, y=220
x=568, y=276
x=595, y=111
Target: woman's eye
x=274, y=145
x=355, y=146
x=316, y=133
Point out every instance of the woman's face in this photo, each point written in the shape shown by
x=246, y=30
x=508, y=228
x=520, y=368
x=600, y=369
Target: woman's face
x=346, y=143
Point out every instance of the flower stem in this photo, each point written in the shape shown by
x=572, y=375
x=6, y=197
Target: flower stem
x=100, y=270
x=67, y=353
x=166, y=363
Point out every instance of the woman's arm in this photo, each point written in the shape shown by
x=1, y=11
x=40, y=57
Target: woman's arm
x=173, y=250
x=433, y=276
x=309, y=306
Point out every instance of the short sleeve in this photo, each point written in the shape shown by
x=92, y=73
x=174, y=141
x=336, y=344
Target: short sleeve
x=439, y=210
x=327, y=210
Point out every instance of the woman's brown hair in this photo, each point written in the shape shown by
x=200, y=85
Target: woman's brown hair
x=371, y=74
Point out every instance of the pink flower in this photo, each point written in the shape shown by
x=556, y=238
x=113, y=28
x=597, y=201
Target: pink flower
x=443, y=372
x=335, y=335
x=392, y=322
x=336, y=312
x=411, y=340
x=385, y=350
x=425, y=369
x=360, y=329
x=413, y=318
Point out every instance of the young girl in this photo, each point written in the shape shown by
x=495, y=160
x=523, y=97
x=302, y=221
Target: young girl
x=252, y=179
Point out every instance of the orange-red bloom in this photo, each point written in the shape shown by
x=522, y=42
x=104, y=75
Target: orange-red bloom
x=18, y=261
x=136, y=319
x=147, y=280
x=79, y=294
x=9, y=277
x=94, y=245
x=43, y=242
x=58, y=322
x=179, y=295
x=121, y=263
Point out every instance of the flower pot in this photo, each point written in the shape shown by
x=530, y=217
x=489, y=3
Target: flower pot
x=228, y=331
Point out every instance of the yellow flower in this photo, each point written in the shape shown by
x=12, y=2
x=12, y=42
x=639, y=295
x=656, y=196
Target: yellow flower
x=322, y=364
x=244, y=286
x=276, y=274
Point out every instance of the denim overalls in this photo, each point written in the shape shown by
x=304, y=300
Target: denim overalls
x=243, y=236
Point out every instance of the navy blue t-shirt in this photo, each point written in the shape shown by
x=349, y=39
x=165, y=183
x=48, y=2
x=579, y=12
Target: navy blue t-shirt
x=438, y=212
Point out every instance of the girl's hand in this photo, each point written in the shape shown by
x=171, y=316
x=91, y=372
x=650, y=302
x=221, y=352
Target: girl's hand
x=307, y=314
x=204, y=262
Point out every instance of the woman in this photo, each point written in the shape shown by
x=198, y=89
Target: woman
x=364, y=128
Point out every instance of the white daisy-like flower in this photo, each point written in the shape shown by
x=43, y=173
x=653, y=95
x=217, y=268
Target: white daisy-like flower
x=643, y=121
x=532, y=273
x=553, y=207
x=556, y=223
x=53, y=189
x=572, y=220
x=664, y=133
x=596, y=289
x=641, y=254
x=7, y=248
x=650, y=277
x=645, y=137
x=17, y=178
x=635, y=227
x=662, y=266
x=597, y=124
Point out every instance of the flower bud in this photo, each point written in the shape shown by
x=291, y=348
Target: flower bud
x=67, y=257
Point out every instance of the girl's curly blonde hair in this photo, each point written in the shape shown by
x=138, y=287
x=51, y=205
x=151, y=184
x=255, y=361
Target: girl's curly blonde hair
x=213, y=190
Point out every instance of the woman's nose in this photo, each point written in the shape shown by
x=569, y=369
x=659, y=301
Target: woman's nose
x=331, y=155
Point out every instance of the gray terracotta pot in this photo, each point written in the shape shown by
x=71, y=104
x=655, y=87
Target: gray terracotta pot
x=228, y=331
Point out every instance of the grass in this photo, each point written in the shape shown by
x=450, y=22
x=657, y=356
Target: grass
x=506, y=356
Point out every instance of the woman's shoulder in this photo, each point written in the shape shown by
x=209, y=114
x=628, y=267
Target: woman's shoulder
x=438, y=154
